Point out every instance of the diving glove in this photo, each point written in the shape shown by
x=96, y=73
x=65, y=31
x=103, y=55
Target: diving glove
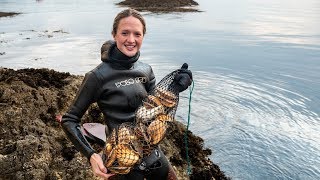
x=183, y=79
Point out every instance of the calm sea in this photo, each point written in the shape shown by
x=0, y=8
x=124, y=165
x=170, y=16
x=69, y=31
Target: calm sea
x=256, y=67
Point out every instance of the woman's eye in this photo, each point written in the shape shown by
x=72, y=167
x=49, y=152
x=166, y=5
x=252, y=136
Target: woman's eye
x=138, y=34
x=124, y=33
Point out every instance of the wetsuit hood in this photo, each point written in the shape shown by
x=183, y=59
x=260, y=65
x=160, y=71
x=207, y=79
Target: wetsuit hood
x=111, y=54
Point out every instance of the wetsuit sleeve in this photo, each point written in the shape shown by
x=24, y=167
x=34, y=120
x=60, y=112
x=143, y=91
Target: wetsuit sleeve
x=151, y=83
x=87, y=94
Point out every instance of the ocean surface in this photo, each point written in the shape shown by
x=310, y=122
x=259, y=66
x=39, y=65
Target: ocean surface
x=256, y=67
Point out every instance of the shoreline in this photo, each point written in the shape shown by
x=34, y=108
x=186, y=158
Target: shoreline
x=163, y=6
x=34, y=146
x=154, y=6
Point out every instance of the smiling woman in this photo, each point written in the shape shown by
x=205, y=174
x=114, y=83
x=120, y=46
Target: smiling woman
x=256, y=67
x=111, y=84
x=129, y=34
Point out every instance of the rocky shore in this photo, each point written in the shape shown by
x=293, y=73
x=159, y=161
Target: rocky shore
x=8, y=14
x=154, y=6
x=163, y=6
x=33, y=145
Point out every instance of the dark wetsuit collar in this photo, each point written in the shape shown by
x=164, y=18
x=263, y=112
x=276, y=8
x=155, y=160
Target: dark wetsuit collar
x=117, y=57
x=111, y=54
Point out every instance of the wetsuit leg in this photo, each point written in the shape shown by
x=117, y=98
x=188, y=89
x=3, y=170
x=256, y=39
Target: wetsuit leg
x=133, y=175
x=163, y=172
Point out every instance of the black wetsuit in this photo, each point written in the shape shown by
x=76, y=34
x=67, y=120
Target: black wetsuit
x=118, y=85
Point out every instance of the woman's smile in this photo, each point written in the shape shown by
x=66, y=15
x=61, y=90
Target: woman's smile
x=129, y=36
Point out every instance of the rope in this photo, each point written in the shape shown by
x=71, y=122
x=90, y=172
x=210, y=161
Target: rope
x=186, y=133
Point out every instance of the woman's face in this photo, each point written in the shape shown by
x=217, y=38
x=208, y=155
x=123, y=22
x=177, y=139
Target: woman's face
x=129, y=35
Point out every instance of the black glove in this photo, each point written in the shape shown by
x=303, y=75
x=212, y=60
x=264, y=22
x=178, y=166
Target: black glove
x=183, y=79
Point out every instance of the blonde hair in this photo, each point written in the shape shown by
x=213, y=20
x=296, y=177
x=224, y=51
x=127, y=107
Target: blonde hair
x=126, y=13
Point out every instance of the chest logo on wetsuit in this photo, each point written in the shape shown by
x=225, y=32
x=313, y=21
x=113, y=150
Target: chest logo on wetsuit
x=131, y=81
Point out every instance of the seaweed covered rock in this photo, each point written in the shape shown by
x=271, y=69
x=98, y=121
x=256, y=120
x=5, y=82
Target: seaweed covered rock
x=8, y=14
x=33, y=145
x=161, y=6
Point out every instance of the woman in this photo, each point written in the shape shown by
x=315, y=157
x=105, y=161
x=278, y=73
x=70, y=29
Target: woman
x=118, y=85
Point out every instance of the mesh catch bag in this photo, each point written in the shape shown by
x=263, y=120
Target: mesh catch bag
x=131, y=142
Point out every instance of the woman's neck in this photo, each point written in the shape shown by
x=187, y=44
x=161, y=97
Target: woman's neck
x=119, y=58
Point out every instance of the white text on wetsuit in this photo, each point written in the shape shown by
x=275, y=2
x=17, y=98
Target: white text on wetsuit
x=131, y=81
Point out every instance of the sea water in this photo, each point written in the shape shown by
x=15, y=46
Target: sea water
x=256, y=67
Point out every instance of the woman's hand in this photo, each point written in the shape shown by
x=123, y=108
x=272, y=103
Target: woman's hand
x=98, y=167
x=183, y=79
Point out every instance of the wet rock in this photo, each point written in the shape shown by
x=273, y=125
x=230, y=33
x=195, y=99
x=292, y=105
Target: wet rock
x=163, y=6
x=8, y=14
x=33, y=145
